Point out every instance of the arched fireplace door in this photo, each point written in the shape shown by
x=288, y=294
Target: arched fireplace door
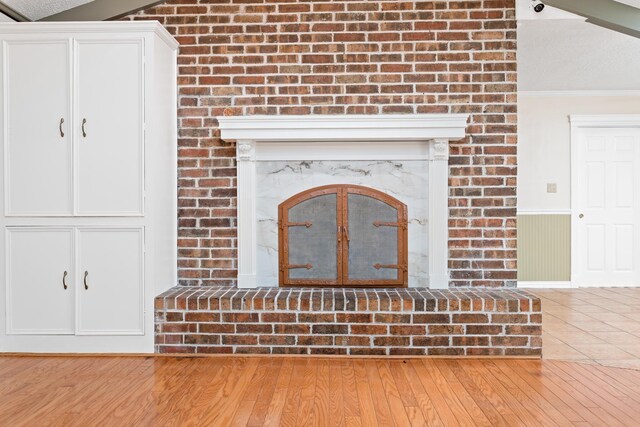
x=342, y=235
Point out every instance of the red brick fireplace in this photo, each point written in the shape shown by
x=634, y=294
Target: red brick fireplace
x=243, y=58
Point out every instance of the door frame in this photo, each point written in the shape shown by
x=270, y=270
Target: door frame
x=577, y=123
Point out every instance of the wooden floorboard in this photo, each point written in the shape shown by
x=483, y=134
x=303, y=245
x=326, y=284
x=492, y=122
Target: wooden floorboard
x=226, y=391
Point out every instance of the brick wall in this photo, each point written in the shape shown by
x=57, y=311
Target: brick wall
x=345, y=321
x=247, y=57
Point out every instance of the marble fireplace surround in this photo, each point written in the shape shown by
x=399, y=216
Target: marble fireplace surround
x=327, y=138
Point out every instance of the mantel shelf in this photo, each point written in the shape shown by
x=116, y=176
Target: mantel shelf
x=365, y=128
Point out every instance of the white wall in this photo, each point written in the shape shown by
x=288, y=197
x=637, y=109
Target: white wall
x=544, y=143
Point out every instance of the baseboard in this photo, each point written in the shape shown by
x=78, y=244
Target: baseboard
x=544, y=285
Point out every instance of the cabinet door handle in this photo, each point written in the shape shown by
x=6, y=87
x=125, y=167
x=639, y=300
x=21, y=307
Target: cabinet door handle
x=84, y=132
x=60, y=127
x=64, y=280
x=86, y=273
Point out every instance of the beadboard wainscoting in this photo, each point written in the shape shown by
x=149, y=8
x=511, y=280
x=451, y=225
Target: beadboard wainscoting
x=544, y=249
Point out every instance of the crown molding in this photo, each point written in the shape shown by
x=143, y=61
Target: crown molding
x=90, y=27
x=534, y=93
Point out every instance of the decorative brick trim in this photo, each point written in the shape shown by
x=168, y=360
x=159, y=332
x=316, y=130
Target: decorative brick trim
x=465, y=322
x=247, y=57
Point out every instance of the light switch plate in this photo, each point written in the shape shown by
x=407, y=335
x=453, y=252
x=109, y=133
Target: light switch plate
x=552, y=187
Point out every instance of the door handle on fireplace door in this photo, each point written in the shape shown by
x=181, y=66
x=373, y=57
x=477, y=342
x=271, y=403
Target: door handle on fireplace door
x=346, y=233
x=86, y=273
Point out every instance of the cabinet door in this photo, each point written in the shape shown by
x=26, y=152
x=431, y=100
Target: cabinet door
x=38, y=145
x=109, y=126
x=110, y=281
x=40, y=292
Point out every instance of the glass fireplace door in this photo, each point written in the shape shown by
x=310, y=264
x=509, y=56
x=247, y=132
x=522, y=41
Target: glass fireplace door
x=342, y=235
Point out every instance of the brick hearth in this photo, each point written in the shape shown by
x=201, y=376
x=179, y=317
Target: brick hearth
x=465, y=322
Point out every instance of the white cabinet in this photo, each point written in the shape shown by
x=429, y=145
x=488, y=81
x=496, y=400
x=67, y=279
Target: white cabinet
x=38, y=160
x=106, y=88
x=89, y=147
x=40, y=290
x=83, y=281
x=109, y=121
x=110, y=291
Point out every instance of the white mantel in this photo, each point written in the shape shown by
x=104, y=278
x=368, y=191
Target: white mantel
x=344, y=137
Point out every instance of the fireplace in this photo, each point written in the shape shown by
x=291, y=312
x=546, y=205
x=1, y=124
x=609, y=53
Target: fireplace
x=343, y=235
x=327, y=208
x=401, y=159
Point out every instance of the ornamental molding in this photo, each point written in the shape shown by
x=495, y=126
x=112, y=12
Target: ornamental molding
x=245, y=150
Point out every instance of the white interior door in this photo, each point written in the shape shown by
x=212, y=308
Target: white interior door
x=38, y=144
x=606, y=207
x=40, y=291
x=110, y=281
x=109, y=123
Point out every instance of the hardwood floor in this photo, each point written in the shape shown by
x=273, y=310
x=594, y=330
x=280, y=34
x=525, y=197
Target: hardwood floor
x=225, y=391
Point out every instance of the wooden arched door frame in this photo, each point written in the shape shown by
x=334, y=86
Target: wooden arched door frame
x=342, y=211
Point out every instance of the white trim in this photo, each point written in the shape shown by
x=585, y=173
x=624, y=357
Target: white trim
x=543, y=285
x=533, y=93
x=90, y=27
x=357, y=137
x=247, y=216
x=604, y=121
x=573, y=192
x=544, y=212
x=609, y=285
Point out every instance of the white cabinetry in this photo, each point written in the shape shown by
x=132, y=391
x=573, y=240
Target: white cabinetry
x=37, y=111
x=109, y=119
x=89, y=154
x=111, y=281
x=40, y=291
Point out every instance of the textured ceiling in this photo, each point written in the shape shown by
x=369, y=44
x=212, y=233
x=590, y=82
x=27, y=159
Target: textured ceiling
x=575, y=55
x=36, y=9
x=559, y=51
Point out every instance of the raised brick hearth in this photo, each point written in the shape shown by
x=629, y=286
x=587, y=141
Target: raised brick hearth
x=464, y=322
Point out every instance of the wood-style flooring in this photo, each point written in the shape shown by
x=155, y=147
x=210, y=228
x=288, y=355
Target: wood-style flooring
x=256, y=391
